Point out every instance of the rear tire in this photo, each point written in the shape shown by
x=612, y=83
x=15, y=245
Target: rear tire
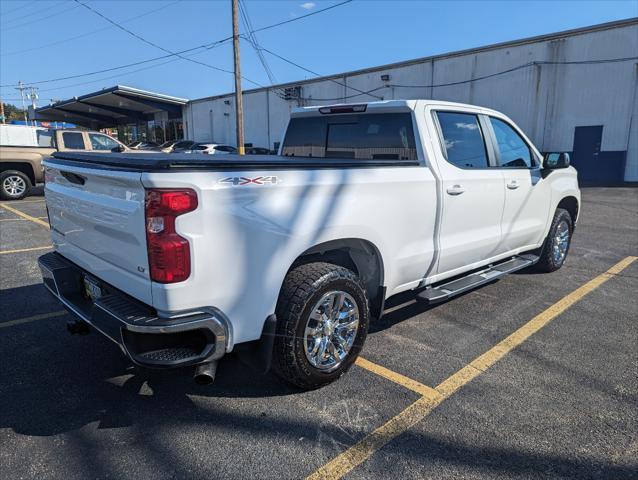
x=556, y=245
x=14, y=185
x=322, y=323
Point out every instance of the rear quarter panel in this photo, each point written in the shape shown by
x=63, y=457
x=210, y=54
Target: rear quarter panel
x=244, y=238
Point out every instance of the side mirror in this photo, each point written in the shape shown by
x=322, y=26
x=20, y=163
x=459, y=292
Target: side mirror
x=118, y=149
x=553, y=161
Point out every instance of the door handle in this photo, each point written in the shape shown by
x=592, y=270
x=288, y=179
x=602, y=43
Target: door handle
x=455, y=190
x=513, y=185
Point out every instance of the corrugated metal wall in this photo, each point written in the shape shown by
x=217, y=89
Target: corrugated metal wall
x=547, y=100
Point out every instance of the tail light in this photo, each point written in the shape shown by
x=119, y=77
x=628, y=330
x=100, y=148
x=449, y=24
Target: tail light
x=169, y=256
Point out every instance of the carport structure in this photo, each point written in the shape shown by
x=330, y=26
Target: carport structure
x=137, y=114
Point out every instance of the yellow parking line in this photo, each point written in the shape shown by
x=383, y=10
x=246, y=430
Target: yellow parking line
x=395, y=377
x=417, y=411
x=34, y=318
x=24, y=215
x=20, y=202
x=20, y=250
x=19, y=219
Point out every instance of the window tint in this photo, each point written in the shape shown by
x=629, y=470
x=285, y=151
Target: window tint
x=73, y=140
x=463, y=139
x=512, y=149
x=366, y=137
x=102, y=142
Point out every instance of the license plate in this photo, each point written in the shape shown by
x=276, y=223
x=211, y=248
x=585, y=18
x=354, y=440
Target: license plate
x=92, y=288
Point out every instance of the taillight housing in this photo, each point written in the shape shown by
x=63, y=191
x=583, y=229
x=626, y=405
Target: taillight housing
x=169, y=256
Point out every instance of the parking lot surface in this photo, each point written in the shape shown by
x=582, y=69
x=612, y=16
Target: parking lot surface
x=534, y=376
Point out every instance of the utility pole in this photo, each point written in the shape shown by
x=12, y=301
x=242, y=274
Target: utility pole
x=34, y=96
x=22, y=88
x=239, y=108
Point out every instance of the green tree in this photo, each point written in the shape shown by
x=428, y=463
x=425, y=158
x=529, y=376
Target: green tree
x=11, y=112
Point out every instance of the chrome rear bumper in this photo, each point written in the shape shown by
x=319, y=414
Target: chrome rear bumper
x=186, y=338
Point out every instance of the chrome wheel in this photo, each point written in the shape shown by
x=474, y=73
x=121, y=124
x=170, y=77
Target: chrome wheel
x=331, y=330
x=14, y=185
x=561, y=242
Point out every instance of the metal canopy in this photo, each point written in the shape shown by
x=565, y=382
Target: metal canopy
x=111, y=107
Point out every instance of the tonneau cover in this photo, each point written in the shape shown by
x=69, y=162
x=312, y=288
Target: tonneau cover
x=152, y=162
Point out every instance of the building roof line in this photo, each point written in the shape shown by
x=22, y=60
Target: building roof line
x=405, y=63
x=118, y=88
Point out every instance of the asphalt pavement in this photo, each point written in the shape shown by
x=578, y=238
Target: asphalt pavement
x=553, y=394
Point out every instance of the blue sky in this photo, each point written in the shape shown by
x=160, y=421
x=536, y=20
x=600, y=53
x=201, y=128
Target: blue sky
x=36, y=38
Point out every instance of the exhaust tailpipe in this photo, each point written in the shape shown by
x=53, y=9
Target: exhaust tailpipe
x=205, y=373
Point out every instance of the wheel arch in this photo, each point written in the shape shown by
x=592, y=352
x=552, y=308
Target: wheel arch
x=359, y=255
x=570, y=203
x=23, y=167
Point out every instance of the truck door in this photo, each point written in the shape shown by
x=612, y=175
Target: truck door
x=473, y=195
x=527, y=194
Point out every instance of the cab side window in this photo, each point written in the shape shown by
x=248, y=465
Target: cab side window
x=73, y=140
x=463, y=139
x=512, y=150
x=102, y=142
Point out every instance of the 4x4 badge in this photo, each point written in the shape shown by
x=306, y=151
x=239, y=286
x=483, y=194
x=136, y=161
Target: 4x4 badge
x=241, y=181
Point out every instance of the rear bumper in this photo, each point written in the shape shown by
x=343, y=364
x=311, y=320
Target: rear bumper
x=186, y=338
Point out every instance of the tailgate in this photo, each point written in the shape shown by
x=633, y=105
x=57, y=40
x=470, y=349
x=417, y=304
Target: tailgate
x=97, y=221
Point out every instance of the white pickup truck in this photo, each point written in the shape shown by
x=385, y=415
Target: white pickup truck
x=180, y=259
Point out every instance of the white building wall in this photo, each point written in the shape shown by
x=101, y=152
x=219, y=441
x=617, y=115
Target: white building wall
x=547, y=101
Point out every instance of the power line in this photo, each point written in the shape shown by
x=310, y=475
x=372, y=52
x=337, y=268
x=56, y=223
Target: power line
x=243, y=8
x=188, y=50
x=520, y=67
x=6, y=29
x=317, y=74
x=133, y=64
x=127, y=73
x=26, y=4
x=152, y=44
x=503, y=72
x=268, y=27
x=38, y=10
x=93, y=32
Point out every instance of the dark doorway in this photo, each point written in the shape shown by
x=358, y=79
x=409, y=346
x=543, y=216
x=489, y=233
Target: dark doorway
x=594, y=166
x=587, y=141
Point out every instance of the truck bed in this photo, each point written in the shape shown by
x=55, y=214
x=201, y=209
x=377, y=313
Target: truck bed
x=158, y=162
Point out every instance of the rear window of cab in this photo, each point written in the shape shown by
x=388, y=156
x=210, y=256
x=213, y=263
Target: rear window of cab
x=370, y=136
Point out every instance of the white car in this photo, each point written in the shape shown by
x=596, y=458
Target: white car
x=211, y=149
x=289, y=258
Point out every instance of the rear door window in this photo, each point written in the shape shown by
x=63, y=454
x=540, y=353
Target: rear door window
x=513, y=152
x=73, y=140
x=373, y=136
x=463, y=140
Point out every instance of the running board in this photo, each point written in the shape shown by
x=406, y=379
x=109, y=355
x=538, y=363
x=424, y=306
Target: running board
x=441, y=293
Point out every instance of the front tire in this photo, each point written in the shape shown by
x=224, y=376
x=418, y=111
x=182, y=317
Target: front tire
x=14, y=185
x=322, y=323
x=556, y=245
